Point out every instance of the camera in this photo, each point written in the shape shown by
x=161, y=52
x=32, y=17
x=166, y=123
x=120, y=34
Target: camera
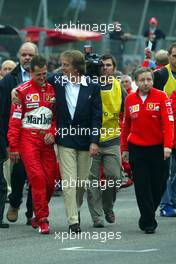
x=93, y=62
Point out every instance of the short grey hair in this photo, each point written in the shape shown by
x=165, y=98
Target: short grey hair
x=28, y=44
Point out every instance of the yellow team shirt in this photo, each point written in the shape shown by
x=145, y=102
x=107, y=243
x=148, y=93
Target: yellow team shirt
x=170, y=85
x=111, y=104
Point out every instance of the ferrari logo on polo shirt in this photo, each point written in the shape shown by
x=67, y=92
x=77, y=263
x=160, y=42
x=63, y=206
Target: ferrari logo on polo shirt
x=153, y=107
x=150, y=106
x=47, y=98
x=134, y=108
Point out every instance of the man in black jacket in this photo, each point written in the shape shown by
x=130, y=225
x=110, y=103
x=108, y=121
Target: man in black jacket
x=20, y=74
x=79, y=119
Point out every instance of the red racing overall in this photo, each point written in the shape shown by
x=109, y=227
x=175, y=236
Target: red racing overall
x=29, y=123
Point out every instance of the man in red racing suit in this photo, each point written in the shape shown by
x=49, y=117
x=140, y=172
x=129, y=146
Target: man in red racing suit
x=31, y=135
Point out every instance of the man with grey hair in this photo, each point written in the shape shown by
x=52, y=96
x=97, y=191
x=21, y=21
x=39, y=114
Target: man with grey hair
x=126, y=82
x=6, y=67
x=161, y=58
x=19, y=75
x=79, y=115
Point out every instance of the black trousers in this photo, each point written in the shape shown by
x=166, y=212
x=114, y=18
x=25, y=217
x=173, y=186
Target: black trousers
x=150, y=173
x=3, y=191
x=18, y=179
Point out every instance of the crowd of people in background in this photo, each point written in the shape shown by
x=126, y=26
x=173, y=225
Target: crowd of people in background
x=127, y=124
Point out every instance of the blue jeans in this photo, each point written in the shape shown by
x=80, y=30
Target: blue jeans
x=169, y=197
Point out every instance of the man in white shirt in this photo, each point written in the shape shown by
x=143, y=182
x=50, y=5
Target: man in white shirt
x=79, y=115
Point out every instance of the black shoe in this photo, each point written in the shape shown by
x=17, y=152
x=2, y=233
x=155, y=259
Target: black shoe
x=110, y=217
x=75, y=228
x=4, y=225
x=29, y=221
x=149, y=230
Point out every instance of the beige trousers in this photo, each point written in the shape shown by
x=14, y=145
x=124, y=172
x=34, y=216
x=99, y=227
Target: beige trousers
x=74, y=166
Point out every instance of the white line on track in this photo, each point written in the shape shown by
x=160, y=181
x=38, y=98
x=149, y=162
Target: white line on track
x=109, y=250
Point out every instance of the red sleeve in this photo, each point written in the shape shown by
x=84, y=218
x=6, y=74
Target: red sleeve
x=15, y=126
x=145, y=63
x=126, y=126
x=167, y=121
x=173, y=103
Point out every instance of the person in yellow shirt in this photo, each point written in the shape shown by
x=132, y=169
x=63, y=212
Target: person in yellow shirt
x=102, y=195
x=165, y=78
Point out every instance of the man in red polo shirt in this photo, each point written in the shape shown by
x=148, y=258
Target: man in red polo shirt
x=146, y=141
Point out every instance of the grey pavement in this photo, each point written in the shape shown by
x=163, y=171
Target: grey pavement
x=118, y=243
